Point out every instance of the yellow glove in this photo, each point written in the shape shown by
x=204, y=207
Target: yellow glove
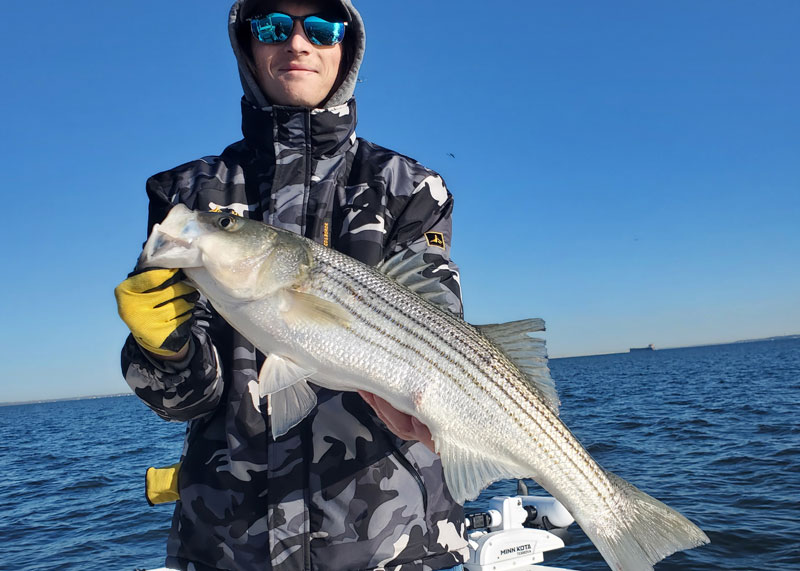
x=156, y=305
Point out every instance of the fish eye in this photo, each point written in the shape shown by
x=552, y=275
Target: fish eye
x=226, y=223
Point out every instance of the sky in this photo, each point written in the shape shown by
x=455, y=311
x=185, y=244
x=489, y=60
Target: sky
x=627, y=170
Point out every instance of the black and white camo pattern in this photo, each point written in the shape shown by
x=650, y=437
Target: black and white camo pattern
x=338, y=491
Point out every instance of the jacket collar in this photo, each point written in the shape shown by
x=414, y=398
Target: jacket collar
x=329, y=131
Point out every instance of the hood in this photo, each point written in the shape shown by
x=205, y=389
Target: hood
x=237, y=31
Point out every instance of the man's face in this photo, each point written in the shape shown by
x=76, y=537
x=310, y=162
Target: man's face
x=296, y=72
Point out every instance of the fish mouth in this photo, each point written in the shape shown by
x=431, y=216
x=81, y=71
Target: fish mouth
x=165, y=249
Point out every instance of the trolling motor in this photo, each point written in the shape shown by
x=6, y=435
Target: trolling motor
x=515, y=532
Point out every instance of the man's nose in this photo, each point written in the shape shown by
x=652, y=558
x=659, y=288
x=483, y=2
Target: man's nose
x=298, y=41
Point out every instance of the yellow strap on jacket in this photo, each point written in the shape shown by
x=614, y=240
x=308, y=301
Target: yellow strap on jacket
x=161, y=484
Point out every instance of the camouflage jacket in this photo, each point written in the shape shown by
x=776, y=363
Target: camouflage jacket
x=339, y=491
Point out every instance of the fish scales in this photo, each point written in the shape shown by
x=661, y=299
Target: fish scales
x=491, y=409
x=427, y=325
x=508, y=382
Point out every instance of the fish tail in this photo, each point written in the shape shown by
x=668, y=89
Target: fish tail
x=646, y=531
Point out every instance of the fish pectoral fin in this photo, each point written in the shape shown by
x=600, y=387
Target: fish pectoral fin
x=527, y=353
x=467, y=473
x=299, y=307
x=278, y=373
x=289, y=406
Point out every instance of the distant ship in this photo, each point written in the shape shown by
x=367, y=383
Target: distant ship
x=650, y=347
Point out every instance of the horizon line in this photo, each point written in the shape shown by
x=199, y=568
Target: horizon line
x=131, y=393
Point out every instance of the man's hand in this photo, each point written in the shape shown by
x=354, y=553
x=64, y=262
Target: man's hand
x=157, y=305
x=400, y=423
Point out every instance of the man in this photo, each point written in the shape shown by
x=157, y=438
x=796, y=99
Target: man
x=339, y=490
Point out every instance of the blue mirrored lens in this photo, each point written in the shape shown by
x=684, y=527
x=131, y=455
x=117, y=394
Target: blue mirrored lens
x=277, y=27
x=322, y=32
x=273, y=28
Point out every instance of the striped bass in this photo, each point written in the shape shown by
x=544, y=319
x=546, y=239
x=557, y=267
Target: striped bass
x=484, y=392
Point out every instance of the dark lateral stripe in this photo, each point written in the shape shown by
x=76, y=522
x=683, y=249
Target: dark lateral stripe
x=390, y=347
x=504, y=381
x=479, y=354
x=467, y=338
x=344, y=281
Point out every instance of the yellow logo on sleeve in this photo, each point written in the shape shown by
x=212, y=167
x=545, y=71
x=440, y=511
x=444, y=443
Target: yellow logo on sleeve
x=435, y=239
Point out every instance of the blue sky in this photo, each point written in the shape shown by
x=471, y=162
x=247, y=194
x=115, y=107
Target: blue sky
x=628, y=170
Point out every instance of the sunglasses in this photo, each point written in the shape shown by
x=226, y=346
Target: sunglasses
x=276, y=27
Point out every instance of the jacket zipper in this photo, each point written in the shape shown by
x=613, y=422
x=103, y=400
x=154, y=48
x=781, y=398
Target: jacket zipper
x=307, y=183
x=403, y=461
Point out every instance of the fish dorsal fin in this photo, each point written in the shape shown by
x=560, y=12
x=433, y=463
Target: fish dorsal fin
x=299, y=307
x=527, y=353
x=408, y=271
x=289, y=406
x=278, y=373
x=467, y=472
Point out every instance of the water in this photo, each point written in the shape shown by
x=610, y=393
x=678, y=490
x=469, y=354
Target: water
x=712, y=431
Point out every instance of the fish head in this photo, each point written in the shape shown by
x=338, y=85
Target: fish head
x=245, y=259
